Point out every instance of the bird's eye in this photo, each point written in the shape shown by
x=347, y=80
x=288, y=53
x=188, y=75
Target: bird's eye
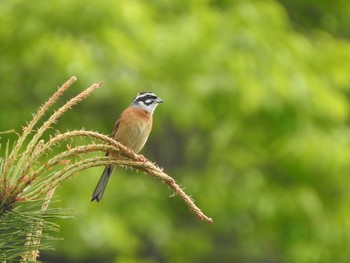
x=148, y=101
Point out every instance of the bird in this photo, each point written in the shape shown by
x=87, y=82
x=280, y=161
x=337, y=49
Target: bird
x=132, y=130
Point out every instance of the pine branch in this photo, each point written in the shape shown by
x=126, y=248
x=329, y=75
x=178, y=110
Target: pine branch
x=28, y=182
x=27, y=130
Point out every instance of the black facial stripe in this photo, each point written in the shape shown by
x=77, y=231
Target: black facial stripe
x=146, y=97
x=148, y=102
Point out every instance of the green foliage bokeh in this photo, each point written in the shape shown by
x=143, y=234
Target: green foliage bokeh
x=255, y=125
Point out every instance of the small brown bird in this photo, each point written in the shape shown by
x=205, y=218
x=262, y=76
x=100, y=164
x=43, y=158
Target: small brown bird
x=132, y=130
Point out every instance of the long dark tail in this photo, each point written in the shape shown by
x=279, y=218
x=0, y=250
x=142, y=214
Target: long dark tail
x=102, y=183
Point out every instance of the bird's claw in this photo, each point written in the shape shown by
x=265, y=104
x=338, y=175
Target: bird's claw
x=142, y=158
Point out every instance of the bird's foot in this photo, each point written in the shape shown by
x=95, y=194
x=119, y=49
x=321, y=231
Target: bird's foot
x=142, y=158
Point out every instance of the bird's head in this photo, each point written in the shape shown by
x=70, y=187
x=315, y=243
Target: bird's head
x=147, y=101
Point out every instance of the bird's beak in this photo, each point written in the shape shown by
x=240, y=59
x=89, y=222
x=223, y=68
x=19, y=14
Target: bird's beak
x=158, y=100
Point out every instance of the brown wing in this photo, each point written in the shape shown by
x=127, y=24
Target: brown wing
x=115, y=128
x=114, y=131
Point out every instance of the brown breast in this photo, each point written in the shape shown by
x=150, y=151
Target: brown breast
x=133, y=128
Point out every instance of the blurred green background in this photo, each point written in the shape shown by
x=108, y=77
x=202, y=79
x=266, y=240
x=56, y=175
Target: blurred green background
x=255, y=125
